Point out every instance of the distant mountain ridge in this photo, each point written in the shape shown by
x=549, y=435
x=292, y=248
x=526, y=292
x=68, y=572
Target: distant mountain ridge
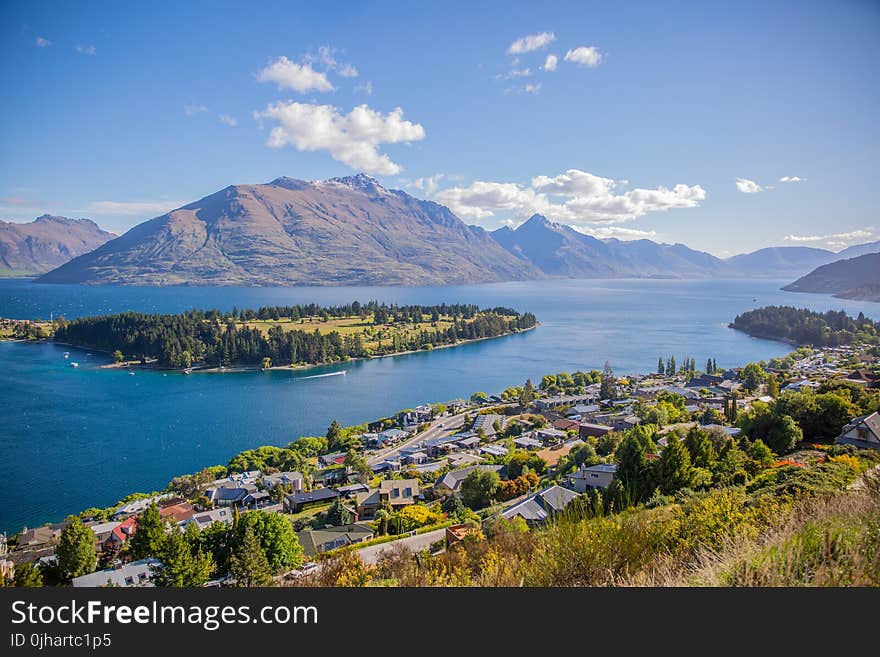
x=851, y=278
x=354, y=231
x=46, y=242
x=342, y=231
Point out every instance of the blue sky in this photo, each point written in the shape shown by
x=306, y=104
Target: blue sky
x=671, y=120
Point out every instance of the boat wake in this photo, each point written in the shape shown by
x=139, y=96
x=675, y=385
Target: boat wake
x=320, y=376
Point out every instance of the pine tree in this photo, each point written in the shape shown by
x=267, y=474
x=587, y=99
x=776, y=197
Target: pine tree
x=249, y=566
x=147, y=540
x=608, y=387
x=660, y=368
x=76, y=550
x=333, y=435
x=714, y=367
x=708, y=366
x=528, y=394
x=674, y=470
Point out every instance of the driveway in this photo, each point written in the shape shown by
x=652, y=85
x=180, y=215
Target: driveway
x=373, y=553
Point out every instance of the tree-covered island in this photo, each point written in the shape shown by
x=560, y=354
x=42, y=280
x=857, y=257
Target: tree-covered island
x=801, y=327
x=299, y=335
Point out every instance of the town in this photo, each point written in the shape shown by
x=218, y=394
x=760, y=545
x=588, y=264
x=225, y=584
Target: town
x=439, y=475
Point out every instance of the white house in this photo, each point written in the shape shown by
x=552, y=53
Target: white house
x=863, y=432
x=136, y=573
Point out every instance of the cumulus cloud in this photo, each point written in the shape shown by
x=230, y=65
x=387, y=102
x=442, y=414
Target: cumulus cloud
x=86, y=50
x=192, y=109
x=791, y=179
x=364, y=87
x=747, y=186
x=42, y=43
x=531, y=42
x=133, y=208
x=352, y=138
x=225, y=119
x=584, y=56
x=574, y=197
x=298, y=77
x=551, y=62
x=834, y=239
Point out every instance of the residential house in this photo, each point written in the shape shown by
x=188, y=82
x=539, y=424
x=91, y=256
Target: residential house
x=803, y=384
x=392, y=436
x=293, y=479
x=258, y=500
x=469, y=443
x=40, y=537
x=350, y=491
x=440, y=445
x=327, y=460
x=546, y=403
x=460, y=460
x=415, y=458
x=541, y=506
x=525, y=442
x=136, y=573
x=137, y=506
x=179, y=511
x=592, y=477
x=565, y=424
x=208, y=518
x=329, y=538
x=551, y=455
x=299, y=501
x=863, y=432
x=450, y=483
x=486, y=424
x=587, y=430
x=103, y=531
x=550, y=435
x=228, y=496
x=399, y=492
x=493, y=450
x=626, y=423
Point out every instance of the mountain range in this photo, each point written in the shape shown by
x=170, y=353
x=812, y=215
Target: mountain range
x=853, y=278
x=354, y=231
x=343, y=231
x=46, y=243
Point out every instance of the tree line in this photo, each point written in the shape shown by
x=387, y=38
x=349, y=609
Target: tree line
x=214, y=338
x=807, y=327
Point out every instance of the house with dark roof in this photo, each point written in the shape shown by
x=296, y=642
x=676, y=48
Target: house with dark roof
x=541, y=506
x=863, y=432
x=329, y=538
x=450, y=483
x=229, y=496
x=299, y=501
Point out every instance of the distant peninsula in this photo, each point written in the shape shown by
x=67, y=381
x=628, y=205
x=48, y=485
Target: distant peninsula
x=854, y=278
x=804, y=327
x=286, y=336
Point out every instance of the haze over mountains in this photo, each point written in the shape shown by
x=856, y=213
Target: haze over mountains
x=853, y=278
x=353, y=231
x=45, y=243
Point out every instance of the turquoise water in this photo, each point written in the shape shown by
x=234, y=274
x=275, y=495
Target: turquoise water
x=75, y=438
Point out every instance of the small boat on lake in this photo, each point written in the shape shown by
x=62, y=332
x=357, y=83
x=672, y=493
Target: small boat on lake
x=66, y=355
x=74, y=364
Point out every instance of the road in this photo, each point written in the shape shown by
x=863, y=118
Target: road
x=373, y=553
x=437, y=428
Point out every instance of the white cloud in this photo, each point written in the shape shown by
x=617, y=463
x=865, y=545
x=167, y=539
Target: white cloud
x=531, y=42
x=428, y=185
x=352, y=138
x=133, y=208
x=364, y=87
x=584, y=56
x=835, y=239
x=532, y=88
x=192, y=109
x=791, y=179
x=605, y=232
x=747, y=186
x=514, y=73
x=290, y=75
x=551, y=62
x=225, y=119
x=584, y=198
x=86, y=50
x=347, y=71
x=42, y=43
x=327, y=59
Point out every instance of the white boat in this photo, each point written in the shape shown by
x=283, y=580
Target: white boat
x=66, y=354
x=131, y=373
x=74, y=364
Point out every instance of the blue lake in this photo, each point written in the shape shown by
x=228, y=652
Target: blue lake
x=75, y=438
